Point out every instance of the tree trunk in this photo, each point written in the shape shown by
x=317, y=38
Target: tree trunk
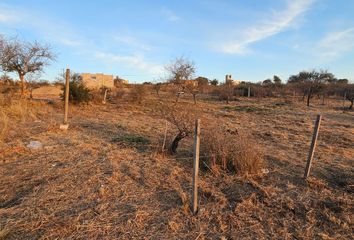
x=22, y=76
x=308, y=97
x=174, y=144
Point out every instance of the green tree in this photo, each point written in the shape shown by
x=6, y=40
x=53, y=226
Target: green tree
x=311, y=82
x=214, y=82
x=267, y=82
x=78, y=92
x=276, y=80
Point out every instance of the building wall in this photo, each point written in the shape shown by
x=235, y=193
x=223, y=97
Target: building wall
x=120, y=81
x=97, y=80
x=235, y=82
x=190, y=82
x=229, y=80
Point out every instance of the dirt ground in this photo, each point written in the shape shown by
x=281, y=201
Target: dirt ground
x=102, y=179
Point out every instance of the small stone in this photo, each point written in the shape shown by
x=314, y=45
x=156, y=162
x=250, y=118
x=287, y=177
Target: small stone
x=64, y=126
x=35, y=145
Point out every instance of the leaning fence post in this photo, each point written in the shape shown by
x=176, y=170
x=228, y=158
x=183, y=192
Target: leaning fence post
x=313, y=145
x=196, y=166
x=65, y=124
x=105, y=96
x=164, y=138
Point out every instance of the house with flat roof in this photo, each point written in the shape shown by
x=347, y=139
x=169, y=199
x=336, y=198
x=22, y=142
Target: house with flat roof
x=97, y=80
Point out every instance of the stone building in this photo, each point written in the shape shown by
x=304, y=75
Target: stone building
x=97, y=80
x=192, y=83
x=120, y=81
x=229, y=80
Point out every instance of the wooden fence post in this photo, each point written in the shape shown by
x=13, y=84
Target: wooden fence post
x=196, y=166
x=313, y=145
x=344, y=98
x=249, y=92
x=164, y=138
x=105, y=96
x=65, y=125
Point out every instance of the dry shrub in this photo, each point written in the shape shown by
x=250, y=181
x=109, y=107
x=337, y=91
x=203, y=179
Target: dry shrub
x=97, y=96
x=235, y=151
x=137, y=93
x=18, y=111
x=119, y=94
x=4, y=122
x=226, y=92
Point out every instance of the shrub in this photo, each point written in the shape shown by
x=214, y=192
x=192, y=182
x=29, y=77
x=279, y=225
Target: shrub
x=78, y=92
x=118, y=94
x=231, y=150
x=226, y=92
x=138, y=93
x=97, y=96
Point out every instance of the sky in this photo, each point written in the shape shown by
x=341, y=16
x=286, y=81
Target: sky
x=250, y=39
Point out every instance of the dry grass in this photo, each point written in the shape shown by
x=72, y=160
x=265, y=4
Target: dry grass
x=84, y=184
x=18, y=111
x=231, y=149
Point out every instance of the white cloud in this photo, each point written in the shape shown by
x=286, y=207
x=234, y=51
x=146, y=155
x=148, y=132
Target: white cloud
x=335, y=44
x=132, y=61
x=278, y=22
x=171, y=16
x=61, y=33
x=4, y=17
x=132, y=42
x=7, y=15
x=64, y=40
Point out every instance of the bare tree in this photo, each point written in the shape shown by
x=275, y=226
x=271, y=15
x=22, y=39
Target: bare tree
x=157, y=87
x=180, y=70
x=350, y=97
x=226, y=92
x=182, y=117
x=193, y=90
x=24, y=57
x=32, y=82
x=349, y=94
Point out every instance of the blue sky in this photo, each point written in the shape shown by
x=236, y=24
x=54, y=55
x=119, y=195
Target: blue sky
x=250, y=39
